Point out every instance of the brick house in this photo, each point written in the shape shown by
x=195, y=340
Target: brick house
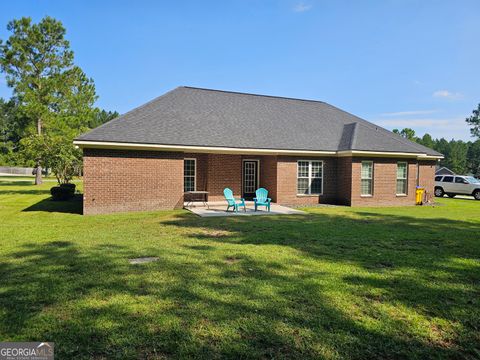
x=304, y=152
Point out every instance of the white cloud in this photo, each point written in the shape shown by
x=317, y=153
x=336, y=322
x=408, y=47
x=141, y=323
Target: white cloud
x=401, y=123
x=447, y=94
x=301, y=7
x=410, y=113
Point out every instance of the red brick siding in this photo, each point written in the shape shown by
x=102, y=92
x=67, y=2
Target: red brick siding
x=201, y=171
x=224, y=171
x=427, y=175
x=384, y=183
x=268, y=175
x=344, y=180
x=119, y=180
x=201, y=180
x=287, y=182
x=216, y=172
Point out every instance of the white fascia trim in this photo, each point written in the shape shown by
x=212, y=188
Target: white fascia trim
x=197, y=149
x=387, y=154
x=227, y=150
x=429, y=157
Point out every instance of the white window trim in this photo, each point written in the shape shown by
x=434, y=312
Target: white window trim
x=361, y=178
x=406, y=179
x=194, y=176
x=310, y=177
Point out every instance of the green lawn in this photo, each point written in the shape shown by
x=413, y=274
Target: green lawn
x=364, y=283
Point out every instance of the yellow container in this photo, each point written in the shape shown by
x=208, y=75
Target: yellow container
x=419, y=196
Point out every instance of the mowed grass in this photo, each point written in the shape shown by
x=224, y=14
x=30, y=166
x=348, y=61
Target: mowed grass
x=336, y=283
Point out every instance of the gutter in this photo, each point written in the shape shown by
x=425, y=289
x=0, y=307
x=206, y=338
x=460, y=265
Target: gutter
x=85, y=144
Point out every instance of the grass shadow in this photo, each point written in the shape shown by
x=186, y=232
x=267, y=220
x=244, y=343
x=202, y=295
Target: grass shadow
x=324, y=285
x=402, y=255
x=174, y=309
x=17, y=182
x=72, y=206
x=6, y=191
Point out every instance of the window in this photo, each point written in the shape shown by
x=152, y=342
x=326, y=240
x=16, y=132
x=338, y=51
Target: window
x=472, y=180
x=448, y=179
x=367, y=177
x=460, y=180
x=438, y=178
x=309, y=177
x=402, y=169
x=189, y=171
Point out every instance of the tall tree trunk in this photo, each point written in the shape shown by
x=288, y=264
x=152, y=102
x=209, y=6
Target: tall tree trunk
x=38, y=174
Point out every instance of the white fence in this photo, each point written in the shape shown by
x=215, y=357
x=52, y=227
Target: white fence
x=15, y=170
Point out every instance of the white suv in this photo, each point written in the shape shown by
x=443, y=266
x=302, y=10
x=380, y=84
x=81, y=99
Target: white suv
x=457, y=185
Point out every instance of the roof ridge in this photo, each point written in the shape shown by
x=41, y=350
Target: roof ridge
x=253, y=94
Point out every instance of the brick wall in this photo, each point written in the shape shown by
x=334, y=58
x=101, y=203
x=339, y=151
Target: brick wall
x=384, y=183
x=268, y=175
x=344, y=180
x=201, y=171
x=287, y=182
x=224, y=171
x=427, y=175
x=215, y=172
x=119, y=180
x=201, y=180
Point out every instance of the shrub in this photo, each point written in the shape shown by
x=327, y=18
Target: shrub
x=62, y=193
x=68, y=186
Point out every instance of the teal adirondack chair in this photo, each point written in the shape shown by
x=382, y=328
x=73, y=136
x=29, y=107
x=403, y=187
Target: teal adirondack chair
x=261, y=199
x=232, y=202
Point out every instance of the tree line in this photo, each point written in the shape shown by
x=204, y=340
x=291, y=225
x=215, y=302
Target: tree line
x=462, y=157
x=52, y=99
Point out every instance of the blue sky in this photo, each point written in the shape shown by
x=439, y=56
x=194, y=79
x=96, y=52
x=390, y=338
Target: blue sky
x=398, y=63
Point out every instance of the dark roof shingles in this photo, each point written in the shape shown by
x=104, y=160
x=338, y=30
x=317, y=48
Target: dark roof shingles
x=202, y=117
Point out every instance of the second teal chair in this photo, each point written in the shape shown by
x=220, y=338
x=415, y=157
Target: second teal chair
x=232, y=202
x=261, y=199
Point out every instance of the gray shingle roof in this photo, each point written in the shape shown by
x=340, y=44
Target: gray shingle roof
x=215, y=118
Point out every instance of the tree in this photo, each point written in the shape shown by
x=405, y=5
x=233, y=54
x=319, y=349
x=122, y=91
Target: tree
x=56, y=153
x=457, y=156
x=474, y=122
x=6, y=127
x=406, y=133
x=11, y=131
x=427, y=141
x=53, y=94
x=473, y=158
x=101, y=117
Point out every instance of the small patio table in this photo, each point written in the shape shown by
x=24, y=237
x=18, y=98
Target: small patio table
x=197, y=196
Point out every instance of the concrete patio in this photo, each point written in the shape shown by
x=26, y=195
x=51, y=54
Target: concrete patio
x=218, y=209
